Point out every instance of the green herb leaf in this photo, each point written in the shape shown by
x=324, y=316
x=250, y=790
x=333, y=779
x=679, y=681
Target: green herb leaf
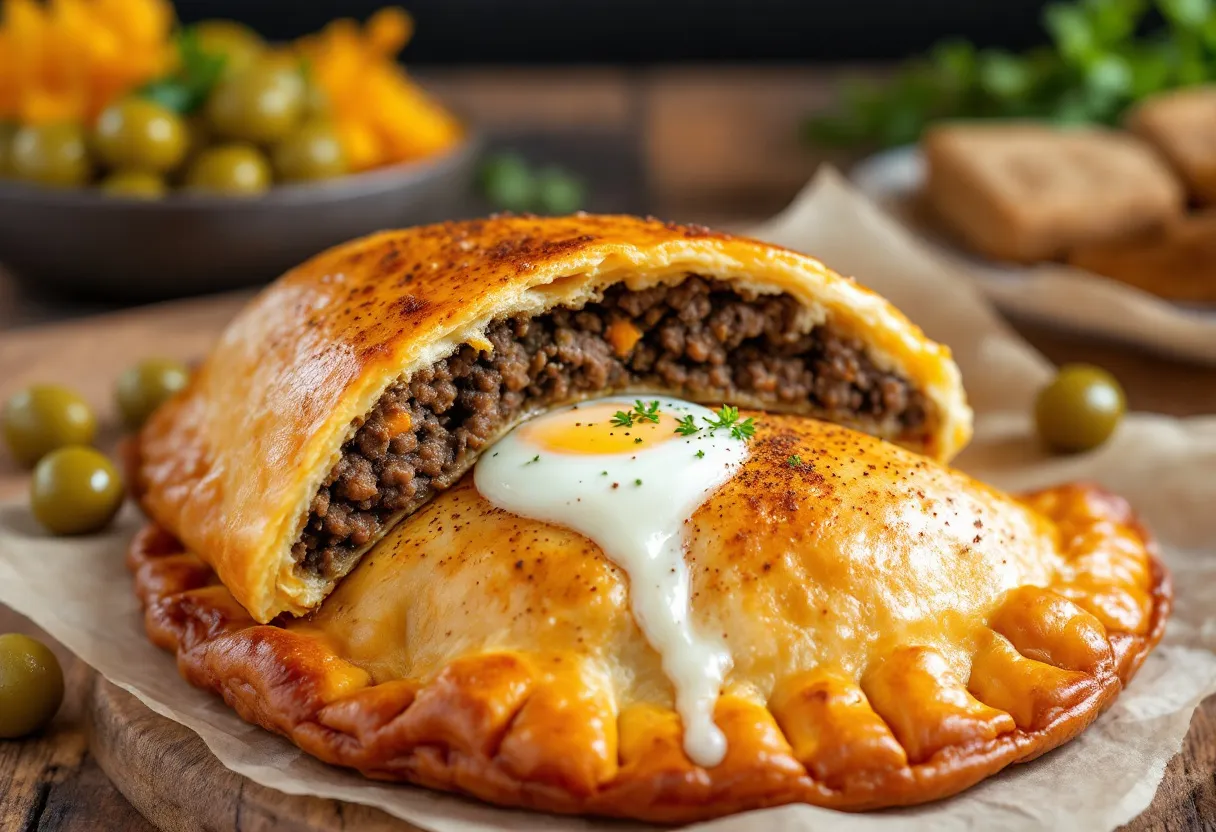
x=646, y=412
x=744, y=430
x=687, y=426
x=558, y=192
x=1070, y=30
x=794, y=461
x=623, y=419
x=197, y=73
x=701, y=454
x=728, y=419
x=507, y=182
x=1186, y=14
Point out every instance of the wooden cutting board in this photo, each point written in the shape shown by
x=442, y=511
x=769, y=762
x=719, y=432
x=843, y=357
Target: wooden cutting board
x=168, y=774
x=166, y=771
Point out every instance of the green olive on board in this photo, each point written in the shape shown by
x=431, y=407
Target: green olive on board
x=50, y=154
x=31, y=685
x=310, y=153
x=1079, y=409
x=138, y=134
x=143, y=388
x=42, y=418
x=230, y=170
x=75, y=490
x=134, y=184
x=263, y=103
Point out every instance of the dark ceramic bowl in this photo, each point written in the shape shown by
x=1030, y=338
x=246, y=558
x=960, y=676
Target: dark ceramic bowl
x=86, y=245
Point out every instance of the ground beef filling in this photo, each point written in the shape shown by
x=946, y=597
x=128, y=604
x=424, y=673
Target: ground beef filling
x=700, y=339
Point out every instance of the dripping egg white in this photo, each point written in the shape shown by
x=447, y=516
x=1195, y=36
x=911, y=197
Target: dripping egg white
x=625, y=474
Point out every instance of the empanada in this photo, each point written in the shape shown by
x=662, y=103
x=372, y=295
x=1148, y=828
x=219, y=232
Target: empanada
x=364, y=381
x=895, y=633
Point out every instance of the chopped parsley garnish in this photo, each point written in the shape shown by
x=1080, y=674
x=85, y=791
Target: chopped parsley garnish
x=646, y=412
x=637, y=440
x=701, y=454
x=533, y=459
x=603, y=473
x=687, y=426
x=794, y=461
x=640, y=412
x=637, y=482
x=623, y=419
x=728, y=419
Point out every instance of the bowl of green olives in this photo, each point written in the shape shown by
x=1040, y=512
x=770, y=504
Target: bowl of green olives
x=158, y=199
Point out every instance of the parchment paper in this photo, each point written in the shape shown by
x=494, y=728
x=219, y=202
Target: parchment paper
x=79, y=591
x=1052, y=292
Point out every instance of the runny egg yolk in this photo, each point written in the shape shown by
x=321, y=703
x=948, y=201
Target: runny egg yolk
x=597, y=429
x=628, y=475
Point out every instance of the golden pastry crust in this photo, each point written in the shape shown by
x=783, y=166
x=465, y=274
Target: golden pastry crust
x=230, y=466
x=899, y=633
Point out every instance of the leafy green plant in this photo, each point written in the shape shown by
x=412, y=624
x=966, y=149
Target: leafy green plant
x=1098, y=63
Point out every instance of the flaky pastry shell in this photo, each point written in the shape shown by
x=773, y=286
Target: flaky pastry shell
x=232, y=466
x=899, y=632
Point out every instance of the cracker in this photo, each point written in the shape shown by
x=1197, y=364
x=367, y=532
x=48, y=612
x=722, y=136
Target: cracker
x=1176, y=262
x=1182, y=127
x=1027, y=192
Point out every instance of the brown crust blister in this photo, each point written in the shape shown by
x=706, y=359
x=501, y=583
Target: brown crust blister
x=542, y=732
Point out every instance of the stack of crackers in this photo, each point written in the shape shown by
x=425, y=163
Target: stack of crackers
x=1137, y=205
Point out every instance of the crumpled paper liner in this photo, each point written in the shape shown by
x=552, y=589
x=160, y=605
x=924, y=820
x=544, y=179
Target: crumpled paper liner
x=79, y=591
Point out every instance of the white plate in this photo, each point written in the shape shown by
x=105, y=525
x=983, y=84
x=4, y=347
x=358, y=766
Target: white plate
x=1053, y=293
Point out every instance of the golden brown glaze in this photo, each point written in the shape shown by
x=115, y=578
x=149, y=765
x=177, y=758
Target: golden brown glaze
x=899, y=633
x=230, y=466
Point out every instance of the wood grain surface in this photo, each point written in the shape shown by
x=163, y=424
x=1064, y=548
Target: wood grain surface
x=167, y=773
x=716, y=146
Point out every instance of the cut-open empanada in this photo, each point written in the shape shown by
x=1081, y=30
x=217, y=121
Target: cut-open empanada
x=363, y=382
x=895, y=631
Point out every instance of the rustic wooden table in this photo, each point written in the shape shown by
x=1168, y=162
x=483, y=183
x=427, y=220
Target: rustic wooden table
x=714, y=146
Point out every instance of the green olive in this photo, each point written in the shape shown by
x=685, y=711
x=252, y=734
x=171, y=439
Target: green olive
x=146, y=386
x=31, y=685
x=7, y=130
x=75, y=490
x=1079, y=409
x=230, y=169
x=139, y=134
x=264, y=103
x=41, y=418
x=198, y=137
x=134, y=184
x=237, y=43
x=51, y=154
x=312, y=152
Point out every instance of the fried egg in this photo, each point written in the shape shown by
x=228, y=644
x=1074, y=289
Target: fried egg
x=628, y=475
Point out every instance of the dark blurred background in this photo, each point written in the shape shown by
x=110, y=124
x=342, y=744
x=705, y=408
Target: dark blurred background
x=657, y=31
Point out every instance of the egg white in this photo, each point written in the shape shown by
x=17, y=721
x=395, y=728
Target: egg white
x=633, y=504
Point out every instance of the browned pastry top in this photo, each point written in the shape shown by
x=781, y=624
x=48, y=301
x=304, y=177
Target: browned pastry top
x=899, y=632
